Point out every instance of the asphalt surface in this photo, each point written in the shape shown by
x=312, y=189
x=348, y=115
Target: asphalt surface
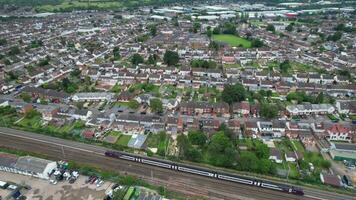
x=183, y=183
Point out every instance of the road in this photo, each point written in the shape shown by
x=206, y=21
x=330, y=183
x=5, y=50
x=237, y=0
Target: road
x=186, y=184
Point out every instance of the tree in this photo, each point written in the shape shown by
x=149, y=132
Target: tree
x=214, y=45
x=193, y=154
x=3, y=41
x=221, y=150
x=269, y=111
x=197, y=137
x=271, y=28
x=36, y=43
x=285, y=66
x=196, y=27
x=116, y=53
x=156, y=105
x=228, y=132
x=153, y=30
x=68, y=86
x=183, y=144
x=229, y=28
x=265, y=166
x=137, y=59
x=256, y=43
x=216, y=31
x=290, y=27
x=25, y=97
x=43, y=62
x=171, y=58
x=261, y=150
x=247, y=161
x=335, y=37
x=320, y=98
x=233, y=93
x=152, y=59
x=14, y=51
x=325, y=164
x=75, y=73
x=199, y=63
x=209, y=33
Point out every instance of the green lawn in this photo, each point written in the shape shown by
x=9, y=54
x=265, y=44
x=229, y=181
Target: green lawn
x=123, y=140
x=284, y=146
x=159, y=141
x=293, y=173
x=232, y=40
x=299, y=147
x=33, y=122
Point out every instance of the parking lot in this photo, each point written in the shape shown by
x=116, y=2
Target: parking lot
x=63, y=190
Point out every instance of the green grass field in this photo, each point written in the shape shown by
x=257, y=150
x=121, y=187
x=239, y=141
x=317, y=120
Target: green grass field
x=123, y=140
x=232, y=40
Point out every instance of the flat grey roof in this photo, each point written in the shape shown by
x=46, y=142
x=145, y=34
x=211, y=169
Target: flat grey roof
x=7, y=160
x=32, y=164
x=349, y=147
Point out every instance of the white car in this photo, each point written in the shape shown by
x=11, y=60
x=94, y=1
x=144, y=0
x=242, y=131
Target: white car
x=99, y=184
x=75, y=174
x=53, y=182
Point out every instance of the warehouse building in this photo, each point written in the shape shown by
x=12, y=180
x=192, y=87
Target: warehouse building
x=26, y=165
x=343, y=151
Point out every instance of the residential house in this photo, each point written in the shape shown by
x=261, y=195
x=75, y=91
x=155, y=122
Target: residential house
x=92, y=96
x=251, y=129
x=330, y=179
x=242, y=108
x=290, y=156
x=51, y=95
x=47, y=111
x=88, y=133
x=193, y=108
x=346, y=107
x=275, y=128
x=339, y=132
x=307, y=109
x=125, y=96
x=275, y=155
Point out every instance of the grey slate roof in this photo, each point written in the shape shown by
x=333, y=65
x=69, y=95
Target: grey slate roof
x=32, y=164
x=7, y=160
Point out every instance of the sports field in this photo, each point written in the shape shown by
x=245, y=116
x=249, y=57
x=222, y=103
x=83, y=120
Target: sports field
x=232, y=40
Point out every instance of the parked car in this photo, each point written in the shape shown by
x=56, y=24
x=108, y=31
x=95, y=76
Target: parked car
x=100, y=183
x=93, y=180
x=53, y=182
x=90, y=178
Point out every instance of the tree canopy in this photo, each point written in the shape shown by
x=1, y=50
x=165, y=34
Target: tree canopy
x=137, y=59
x=221, y=150
x=197, y=137
x=270, y=27
x=156, y=105
x=199, y=63
x=269, y=111
x=171, y=58
x=233, y=93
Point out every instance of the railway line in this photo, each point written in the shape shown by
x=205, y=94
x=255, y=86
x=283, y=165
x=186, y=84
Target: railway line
x=174, y=180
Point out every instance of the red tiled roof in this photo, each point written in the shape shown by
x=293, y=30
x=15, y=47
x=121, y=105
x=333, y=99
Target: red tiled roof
x=338, y=128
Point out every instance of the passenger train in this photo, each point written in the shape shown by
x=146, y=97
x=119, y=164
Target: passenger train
x=205, y=172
